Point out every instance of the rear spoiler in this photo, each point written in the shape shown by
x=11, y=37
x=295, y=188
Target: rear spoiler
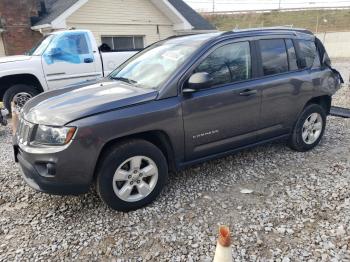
x=325, y=60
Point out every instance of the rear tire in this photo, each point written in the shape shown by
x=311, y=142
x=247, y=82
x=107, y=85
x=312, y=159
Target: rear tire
x=20, y=91
x=309, y=128
x=121, y=184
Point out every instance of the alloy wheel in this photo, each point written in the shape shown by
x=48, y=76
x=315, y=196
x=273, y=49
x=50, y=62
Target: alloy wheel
x=135, y=178
x=312, y=128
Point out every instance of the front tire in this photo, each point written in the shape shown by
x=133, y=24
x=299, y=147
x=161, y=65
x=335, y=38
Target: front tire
x=309, y=128
x=21, y=93
x=131, y=175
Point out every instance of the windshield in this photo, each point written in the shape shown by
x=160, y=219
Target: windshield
x=40, y=48
x=152, y=67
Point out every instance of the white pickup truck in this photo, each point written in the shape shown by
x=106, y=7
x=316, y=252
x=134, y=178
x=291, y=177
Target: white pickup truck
x=60, y=59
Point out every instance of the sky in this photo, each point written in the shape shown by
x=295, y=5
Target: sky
x=243, y=5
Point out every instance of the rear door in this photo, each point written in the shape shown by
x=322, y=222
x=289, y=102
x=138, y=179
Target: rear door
x=223, y=116
x=69, y=59
x=284, y=86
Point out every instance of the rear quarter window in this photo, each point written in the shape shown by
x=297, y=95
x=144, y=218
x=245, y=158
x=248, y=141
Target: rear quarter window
x=309, y=54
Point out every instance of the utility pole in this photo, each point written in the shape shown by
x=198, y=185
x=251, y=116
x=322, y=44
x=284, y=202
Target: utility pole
x=213, y=6
x=279, y=5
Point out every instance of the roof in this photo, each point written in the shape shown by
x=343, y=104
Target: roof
x=57, y=7
x=195, y=19
x=192, y=39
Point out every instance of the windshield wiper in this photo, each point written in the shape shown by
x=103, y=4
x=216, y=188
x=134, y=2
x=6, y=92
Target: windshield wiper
x=126, y=80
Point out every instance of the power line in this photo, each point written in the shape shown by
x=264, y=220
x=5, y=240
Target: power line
x=269, y=1
x=216, y=2
x=214, y=6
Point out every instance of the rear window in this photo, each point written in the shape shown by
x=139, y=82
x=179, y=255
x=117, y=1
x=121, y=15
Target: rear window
x=274, y=56
x=309, y=54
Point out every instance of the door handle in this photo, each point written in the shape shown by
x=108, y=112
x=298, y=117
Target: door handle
x=248, y=92
x=88, y=60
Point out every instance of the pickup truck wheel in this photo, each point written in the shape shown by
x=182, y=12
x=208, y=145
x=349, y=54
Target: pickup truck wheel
x=309, y=128
x=131, y=175
x=19, y=93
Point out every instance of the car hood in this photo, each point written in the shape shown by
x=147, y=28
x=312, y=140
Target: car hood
x=14, y=58
x=59, y=107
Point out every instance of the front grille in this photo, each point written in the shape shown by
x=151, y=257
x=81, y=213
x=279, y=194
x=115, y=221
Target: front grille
x=24, y=131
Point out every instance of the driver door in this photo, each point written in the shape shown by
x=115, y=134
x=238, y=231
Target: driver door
x=69, y=59
x=225, y=115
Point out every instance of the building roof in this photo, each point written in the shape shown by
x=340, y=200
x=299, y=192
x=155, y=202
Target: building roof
x=55, y=8
x=195, y=19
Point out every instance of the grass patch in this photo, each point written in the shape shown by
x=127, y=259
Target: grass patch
x=314, y=20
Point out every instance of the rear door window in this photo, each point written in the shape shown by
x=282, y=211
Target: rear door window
x=309, y=54
x=274, y=56
x=228, y=64
x=292, y=58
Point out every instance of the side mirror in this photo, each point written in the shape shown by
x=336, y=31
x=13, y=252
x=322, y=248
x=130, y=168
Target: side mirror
x=197, y=82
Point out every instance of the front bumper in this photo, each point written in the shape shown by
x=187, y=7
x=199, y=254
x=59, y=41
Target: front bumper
x=61, y=172
x=42, y=184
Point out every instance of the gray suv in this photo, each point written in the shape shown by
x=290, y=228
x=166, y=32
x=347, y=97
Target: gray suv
x=179, y=102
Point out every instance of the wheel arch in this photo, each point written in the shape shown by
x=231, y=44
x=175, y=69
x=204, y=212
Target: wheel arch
x=157, y=137
x=325, y=101
x=27, y=79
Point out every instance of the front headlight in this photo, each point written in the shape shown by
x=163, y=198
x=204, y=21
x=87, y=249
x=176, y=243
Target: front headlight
x=48, y=135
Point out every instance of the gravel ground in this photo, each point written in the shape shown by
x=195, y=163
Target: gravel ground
x=299, y=209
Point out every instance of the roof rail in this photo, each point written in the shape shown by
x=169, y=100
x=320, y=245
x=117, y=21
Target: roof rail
x=276, y=28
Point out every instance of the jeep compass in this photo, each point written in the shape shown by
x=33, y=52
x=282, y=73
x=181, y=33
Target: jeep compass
x=180, y=101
